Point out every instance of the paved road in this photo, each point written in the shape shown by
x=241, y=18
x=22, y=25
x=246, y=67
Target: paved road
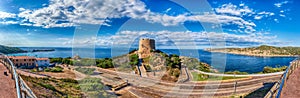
x=7, y=84
x=158, y=88
x=142, y=86
x=292, y=86
x=248, y=75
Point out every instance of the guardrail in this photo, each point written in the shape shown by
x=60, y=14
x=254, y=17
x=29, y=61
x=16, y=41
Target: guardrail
x=275, y=91
x=23, y=91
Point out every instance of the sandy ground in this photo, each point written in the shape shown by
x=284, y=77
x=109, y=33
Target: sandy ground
x=7, y=84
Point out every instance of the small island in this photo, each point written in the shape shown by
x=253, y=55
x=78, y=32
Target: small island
x=42, y=50
x=263, y=51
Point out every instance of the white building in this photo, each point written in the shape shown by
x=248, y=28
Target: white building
x=42, y=62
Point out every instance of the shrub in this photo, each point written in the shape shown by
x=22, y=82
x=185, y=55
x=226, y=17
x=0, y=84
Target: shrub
x=272, y=70
x=54, y=69
x=87, y=71
x=57, y=69
x=47, y=70
x=105, y=63
x=134, y=59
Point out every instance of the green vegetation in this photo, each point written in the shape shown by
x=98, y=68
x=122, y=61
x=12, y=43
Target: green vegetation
x=67, y=60
x=54, y=88
x=105, y=63
x=85, y=62
x=67, y=88
x=173, y=63
x=236, y=72
x=94, y=88
x=54, y=69
x=134, y=59
x=193, y=63
x=203, y=77
x=269, y=50
x=272, y=70
x=87, y=71
x=9, y=50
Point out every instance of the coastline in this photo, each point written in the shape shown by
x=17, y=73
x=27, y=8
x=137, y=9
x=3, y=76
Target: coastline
x=248, y=54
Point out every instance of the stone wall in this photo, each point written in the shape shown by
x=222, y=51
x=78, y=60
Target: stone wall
x=145, y=46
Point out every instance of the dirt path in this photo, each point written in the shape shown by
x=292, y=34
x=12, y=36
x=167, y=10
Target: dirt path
x=292, y=86
x=7, y=84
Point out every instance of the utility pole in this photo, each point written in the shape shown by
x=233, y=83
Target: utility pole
x=235, y=84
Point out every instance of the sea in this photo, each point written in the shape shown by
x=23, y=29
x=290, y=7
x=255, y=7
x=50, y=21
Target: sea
x=220, y=61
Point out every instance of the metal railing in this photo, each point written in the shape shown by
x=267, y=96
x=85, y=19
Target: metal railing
x=275, y=91
x=23, y=91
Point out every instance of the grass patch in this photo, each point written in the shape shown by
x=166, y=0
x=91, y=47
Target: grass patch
x=272, y=70
x=236, y=72
x=87, y=71
x=54, y=69
x=94, y=88
x=203, y=77
x=54, y=88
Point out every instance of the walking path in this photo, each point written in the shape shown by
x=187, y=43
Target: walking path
x=291, y=88
x=7, y=84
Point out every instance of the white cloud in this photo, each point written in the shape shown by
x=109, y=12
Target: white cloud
x=281, y=3
x=22, y=9
x=4, y=15
x=282, y=15
x=180, y=39
x=234, y=9
x=168, y=10
x=263, y=14
x=258, y=17
x=63, y=39
x=64, y=13
x=266, y=13
x=276, y=20
x=8, y=22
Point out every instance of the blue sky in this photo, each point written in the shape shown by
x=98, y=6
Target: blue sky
x=173, y=23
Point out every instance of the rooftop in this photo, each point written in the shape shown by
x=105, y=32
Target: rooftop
x=21, y=57
x=42, y=58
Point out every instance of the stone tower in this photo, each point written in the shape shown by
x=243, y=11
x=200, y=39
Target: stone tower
x=145, y=47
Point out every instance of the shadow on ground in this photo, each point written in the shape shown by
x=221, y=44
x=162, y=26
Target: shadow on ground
x=261, y=92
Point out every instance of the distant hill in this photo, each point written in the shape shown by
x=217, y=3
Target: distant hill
x=263, y=50
x=9, y=50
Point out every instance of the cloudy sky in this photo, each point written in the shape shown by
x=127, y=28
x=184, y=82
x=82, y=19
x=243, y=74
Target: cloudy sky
x=173, y=23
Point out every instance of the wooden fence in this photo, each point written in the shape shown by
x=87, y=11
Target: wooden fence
x=275, y=91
